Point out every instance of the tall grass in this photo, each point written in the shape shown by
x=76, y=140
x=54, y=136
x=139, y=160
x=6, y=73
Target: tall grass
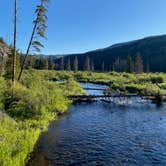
x=27, y=110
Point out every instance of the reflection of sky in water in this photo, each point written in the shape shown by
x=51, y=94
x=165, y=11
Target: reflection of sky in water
x=93, y=92
x=107, y=134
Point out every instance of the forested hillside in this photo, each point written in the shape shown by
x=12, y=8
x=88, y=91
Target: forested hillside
x=152, y=50
x=148, y=55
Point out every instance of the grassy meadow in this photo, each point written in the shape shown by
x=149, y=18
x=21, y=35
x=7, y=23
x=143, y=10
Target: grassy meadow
x=27, y=108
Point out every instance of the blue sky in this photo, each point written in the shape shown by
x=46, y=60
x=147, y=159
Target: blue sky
x=76, y=26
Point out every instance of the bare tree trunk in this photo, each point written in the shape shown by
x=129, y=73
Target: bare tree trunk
x=15, y=43
x=27, y=53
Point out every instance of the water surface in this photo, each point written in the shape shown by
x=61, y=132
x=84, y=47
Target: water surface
x=106, y=134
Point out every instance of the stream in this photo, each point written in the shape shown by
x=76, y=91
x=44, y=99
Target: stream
x=105, y=134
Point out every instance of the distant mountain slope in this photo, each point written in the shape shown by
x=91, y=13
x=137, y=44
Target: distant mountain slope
x=152, y=49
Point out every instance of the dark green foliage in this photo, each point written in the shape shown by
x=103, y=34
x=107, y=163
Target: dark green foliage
x=37, y=31
x=40, y=23
x=139, y=68
x=132, y=88
x=51, y=64
x=152, y=49
x=92, y=66
x=75, y=63
x=129, y=65
x=87, y=64
x=157, y=79
x=103, y=66
x=68, y=65
x=62, y=64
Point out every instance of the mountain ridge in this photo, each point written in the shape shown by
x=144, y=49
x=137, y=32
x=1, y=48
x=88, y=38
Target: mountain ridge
x=151, y=48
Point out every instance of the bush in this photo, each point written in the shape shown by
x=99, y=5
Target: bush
x=31, y=105
x=133, y=88
x=157, y=79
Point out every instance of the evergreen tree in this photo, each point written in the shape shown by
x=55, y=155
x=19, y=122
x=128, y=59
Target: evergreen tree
x=87, y=64
x=139, y=64
x=92, y=66
x=62, y=63
x=68, y=65
x=103, y=66
x=37, y=31
x=75, y=63
x=56, y=66
x=112, y=68
x=43, y=63
x=30, y=62
x=147, y=68
x=46, y=65
x=130, y=65
x=51, y=64
x=116, y=65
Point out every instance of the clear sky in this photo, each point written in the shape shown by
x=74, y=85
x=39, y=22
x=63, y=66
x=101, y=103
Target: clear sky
x=76, y=26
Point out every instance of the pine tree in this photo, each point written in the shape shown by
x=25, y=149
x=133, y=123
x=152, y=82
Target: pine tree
x=43, y=64
x=62, y=63
x=130, y=65
x=87, y=64
x=147, y=68
x=51, y=64
x=30, y=62
x=68, y=65
x=117, y=65
x=92, y=66
x=56, y=66
x=139, y=64
x=38, y=31
x=103, y=66
x=112, y=68
x=46, y=65
x=75, y=63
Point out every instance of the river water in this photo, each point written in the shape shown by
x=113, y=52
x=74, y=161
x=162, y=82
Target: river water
x=105, y=134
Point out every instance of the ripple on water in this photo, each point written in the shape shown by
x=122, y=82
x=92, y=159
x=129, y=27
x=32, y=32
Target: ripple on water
x=101, y=134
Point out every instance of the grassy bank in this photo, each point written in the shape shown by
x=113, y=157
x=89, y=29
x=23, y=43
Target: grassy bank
x=42, y=95
x=127, y=83
x=36, y=101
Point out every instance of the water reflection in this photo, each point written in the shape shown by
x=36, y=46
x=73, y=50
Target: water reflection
x=106, y=134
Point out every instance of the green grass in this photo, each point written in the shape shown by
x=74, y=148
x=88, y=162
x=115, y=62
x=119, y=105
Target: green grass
x=42, y=95
x=151, y=83
x=35, y=103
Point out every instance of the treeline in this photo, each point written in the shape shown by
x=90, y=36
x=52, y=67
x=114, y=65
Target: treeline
x=75, y=63
x=129, y=65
